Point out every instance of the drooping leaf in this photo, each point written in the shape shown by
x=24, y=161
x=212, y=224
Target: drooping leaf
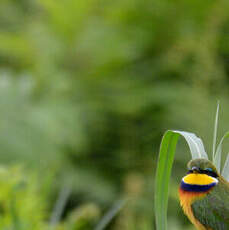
x=195, y=144
x=165, y=161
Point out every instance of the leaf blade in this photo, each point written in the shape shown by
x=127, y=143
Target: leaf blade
x=110, y=214
x=217, y=158
x=195, y=144
x=164, y=167
x=225, y=172
x=215, y=132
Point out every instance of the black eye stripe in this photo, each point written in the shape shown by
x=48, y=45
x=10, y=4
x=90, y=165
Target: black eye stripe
x=210, y=173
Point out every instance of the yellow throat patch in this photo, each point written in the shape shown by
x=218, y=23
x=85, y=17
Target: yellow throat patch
x=199, y=179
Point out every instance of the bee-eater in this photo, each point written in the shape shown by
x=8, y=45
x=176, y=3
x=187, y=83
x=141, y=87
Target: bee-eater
x=204, y=196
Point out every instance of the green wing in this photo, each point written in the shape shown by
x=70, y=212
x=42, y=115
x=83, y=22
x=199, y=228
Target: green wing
x=213, y=210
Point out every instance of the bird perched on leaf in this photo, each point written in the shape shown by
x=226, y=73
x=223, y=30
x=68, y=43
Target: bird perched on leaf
x=204, y=196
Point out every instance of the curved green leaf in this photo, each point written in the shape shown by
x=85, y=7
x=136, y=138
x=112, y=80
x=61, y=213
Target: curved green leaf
x=165, y=162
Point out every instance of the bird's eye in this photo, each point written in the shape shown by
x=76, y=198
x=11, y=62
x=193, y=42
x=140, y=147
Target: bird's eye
x=210, y=172
x=209, y=169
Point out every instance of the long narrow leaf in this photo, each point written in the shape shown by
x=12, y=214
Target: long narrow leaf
x=215, y=132
x=217, y=158
x=225, y=172
x=165, y=161
x=64, y=194
x=111, y=214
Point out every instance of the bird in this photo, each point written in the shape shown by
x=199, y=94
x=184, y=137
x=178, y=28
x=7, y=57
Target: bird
x=204, y=196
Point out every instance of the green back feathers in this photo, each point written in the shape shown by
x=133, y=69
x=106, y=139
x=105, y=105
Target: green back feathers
x=213, y=210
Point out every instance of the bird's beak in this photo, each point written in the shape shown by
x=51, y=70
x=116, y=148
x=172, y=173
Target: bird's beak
x=195, y=169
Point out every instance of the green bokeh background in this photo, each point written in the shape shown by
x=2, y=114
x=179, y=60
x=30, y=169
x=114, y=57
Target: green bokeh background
x=87, y=89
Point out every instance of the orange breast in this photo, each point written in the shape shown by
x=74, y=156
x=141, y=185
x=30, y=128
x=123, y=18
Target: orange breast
x=186, y=199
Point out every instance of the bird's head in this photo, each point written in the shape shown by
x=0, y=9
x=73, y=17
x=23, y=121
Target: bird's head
x=202, y=166
x=202, y=176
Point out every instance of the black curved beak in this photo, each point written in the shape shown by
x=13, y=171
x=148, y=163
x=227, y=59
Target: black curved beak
x=195, y=169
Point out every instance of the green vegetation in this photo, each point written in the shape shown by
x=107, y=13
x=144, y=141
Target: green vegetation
x=87, y=89
x=165, y=162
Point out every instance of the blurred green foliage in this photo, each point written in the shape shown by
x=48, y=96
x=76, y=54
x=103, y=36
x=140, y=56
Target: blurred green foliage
x=22, y=204
x=88, y=87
